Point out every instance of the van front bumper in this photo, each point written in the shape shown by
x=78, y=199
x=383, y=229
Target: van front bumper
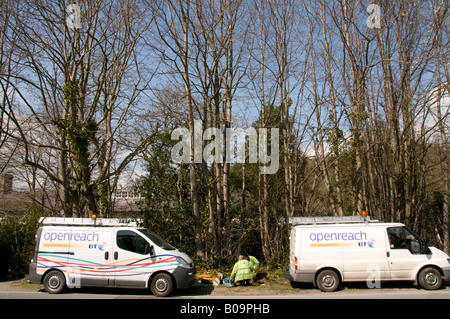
x=184, y=277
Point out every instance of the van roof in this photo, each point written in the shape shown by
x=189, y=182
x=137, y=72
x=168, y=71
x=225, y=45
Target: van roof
x=329, y=220
x=69, y=221
x=355, y=225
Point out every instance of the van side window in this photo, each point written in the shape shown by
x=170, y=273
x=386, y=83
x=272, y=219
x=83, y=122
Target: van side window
x=129, y=240
x=402, y=238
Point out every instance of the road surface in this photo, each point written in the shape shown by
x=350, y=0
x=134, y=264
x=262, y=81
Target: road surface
x=204, y=301
x=11, y=290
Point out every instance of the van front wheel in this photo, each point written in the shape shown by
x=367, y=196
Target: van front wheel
x=162, y=285
x=430, y=279
x=328, y=280
x=54, y=282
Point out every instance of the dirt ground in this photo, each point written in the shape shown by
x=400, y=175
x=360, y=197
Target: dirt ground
x=268, y=283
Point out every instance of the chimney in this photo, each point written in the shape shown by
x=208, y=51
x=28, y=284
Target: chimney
x=6, y=183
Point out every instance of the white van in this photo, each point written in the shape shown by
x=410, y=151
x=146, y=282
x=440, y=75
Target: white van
x=78, y=252
x=327, y=251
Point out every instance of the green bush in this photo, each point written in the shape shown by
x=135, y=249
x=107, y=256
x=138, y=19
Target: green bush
x=17, y=243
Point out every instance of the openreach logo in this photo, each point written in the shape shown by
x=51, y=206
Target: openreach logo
x=228, y=147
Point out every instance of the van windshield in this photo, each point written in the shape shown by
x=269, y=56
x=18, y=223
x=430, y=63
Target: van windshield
x=158, y=241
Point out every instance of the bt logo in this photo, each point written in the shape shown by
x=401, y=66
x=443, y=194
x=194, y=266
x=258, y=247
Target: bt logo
x=99, y=246
x=370, y=243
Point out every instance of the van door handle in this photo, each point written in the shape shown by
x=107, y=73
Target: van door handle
x=106, y=255
x=116, y=255
x=388, y=254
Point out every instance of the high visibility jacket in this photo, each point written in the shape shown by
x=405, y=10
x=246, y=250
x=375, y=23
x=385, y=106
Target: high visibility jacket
x=241, y=270
x=254, y=264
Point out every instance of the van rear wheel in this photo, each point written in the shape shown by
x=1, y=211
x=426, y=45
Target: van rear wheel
x=162, y=285
x=430, y=279
x=54, y=282
x=328, y=280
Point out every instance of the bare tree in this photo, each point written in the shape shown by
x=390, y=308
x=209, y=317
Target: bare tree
x=440, y=29
x=174, y=28
x=78, y=66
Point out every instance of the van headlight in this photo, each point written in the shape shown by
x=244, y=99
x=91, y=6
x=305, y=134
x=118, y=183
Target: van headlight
x=181, y=261
x=448, y=261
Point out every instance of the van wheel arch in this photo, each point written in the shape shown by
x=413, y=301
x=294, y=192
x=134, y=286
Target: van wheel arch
x=54, y=281
x=165, y=277
x=432, y=270
x=328, y=270
x=48, y=270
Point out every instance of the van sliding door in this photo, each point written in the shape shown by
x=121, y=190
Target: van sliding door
x=90, y=257
x=364, y=254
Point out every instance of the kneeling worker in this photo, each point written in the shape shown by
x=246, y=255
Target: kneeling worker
x=254, y=265
x=242, y=271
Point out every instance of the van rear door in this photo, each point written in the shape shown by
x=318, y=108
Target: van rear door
x=53, y=249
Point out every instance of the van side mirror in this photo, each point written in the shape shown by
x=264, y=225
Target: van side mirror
x=149, y=249
x=415, y=247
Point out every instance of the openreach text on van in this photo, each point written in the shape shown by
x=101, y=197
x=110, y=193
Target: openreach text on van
x=318, y=237
x=65, y=236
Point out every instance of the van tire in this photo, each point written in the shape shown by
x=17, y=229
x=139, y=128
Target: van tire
x=328, y=280
x=430, y=278
x=54, y=282
x=162, y=285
